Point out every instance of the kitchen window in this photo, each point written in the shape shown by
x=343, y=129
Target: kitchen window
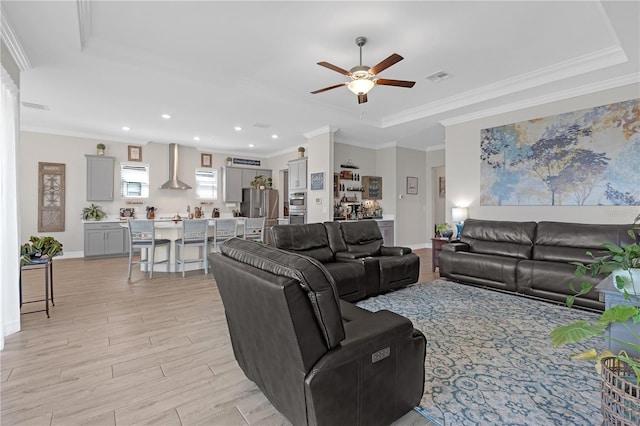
x=206, y=184
x=134, y=180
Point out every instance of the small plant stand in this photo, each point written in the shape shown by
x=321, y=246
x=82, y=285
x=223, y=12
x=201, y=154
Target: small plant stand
x=45, y=263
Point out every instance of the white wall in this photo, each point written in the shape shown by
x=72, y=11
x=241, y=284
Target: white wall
x=463, y=165
x=42, y=147
x=321, y=156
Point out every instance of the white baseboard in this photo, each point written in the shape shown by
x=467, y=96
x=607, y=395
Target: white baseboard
x=71, y=255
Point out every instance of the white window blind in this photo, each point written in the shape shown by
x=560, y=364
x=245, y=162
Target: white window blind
x=206, y=184
x=134, y=180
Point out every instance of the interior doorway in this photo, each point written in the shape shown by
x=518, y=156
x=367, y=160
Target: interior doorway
x=439, y=192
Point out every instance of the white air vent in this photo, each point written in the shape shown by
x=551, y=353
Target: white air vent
x=35, y=106
x=438, y=76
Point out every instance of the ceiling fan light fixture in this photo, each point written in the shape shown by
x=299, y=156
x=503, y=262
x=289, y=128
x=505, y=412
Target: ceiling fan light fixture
x=361, y=86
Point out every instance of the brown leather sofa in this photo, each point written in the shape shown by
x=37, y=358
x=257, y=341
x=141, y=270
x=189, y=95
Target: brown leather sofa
x=354, y=255
x=318, y=359
x=529, y=258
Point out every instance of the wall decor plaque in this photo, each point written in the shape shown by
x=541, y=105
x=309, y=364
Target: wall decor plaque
x=51, y=205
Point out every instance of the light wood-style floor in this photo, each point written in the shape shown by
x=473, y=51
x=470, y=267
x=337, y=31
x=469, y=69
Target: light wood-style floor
x=119, y=352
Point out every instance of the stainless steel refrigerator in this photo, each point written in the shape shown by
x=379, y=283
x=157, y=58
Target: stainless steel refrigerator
x=260, y=203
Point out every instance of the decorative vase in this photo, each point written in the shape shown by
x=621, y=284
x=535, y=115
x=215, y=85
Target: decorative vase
x=620, y=394
x=300, y=154
x=229, y=162
x=631, y=278
x=100, y=152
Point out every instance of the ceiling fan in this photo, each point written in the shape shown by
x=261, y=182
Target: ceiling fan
x=363, y=78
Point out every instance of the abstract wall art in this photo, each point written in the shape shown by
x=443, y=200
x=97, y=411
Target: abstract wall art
x=587, y=157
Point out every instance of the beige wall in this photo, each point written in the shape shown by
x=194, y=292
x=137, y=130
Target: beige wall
x=463, y=166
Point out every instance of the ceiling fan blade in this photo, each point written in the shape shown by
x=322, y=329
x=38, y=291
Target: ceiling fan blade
x=398, y=83
x=376, y=69
x=328, y=88
x=335, y=68
x=362, y=98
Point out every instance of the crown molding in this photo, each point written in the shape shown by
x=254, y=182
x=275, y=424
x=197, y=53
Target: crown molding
x=593, y=61
x=13, y=44
x=84, y=21
x=436, y=148
x=553, y=97
x=321, y=131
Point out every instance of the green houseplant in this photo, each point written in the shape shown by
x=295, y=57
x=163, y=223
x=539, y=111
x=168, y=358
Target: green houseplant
x=258, y=182
x=301, y=151
x=37, y=247
x=93, y=212
x=444, y=230
x=101, y=147
x=619, y=373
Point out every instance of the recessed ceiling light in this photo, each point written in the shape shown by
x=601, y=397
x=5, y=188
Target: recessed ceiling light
x=166, y=116
x=237, y=128
x=274, y=136
x=196, y=138
x=125, y=128
x=251, y=145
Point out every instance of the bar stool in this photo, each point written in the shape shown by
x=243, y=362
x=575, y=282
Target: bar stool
x=224, y=229
x=142, y=236
x=254, y=228
x=194, y=234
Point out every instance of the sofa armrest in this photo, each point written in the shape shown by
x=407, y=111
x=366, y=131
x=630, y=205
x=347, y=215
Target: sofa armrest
x=350, y=255
x=378, y=368
x=456, y=247
x=394, y=251
x=368, y=335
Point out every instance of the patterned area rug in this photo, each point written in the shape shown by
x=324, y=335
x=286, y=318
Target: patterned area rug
x=490, y=360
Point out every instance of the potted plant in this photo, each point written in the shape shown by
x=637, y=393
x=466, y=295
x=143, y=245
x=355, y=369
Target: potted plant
x=93, y=212
x=617, y=371
x=444, y=230
x=100, y=148
x=258, y=182
x=269, y=183
x=229, y=161
x=301, y=152
x=38, y=247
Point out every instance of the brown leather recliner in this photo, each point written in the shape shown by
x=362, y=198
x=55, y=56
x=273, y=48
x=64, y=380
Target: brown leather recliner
x=319, y=360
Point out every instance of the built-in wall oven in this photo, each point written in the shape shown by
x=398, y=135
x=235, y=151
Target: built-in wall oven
x=297, y=207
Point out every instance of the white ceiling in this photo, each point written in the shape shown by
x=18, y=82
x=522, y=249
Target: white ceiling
x=212, y=65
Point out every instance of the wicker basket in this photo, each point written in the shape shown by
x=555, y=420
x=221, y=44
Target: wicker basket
x=620, y=394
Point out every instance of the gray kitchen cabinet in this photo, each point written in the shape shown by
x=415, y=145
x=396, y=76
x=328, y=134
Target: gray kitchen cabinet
x=249, y=174
x=231, y=185
x=236, y=178
x=386, y=229
x=100, y=181
x=107, y=239
x=298, y=174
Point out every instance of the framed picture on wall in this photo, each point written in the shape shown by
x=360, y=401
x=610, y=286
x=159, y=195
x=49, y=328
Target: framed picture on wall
x=317, y=181
x=135, y=153
x=412, y=185
x=442, y=187
x=205, y=160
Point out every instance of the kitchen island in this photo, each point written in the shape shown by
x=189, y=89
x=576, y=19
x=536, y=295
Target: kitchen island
x=110, y=238
x=171, y=230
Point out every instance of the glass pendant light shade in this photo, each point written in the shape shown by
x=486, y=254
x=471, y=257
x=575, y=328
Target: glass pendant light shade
x=361, y=86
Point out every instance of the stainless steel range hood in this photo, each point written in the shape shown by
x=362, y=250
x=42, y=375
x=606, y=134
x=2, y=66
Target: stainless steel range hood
x=174, y=182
